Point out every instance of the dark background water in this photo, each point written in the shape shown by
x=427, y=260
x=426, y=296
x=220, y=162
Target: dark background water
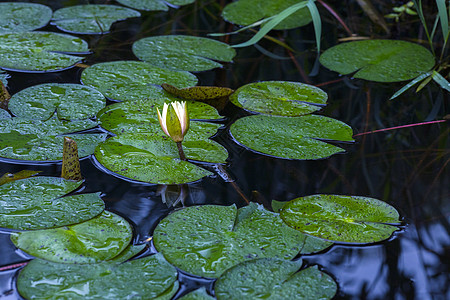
x=407, y=168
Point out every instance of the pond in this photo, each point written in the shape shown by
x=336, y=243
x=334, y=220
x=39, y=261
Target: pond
x=403, y=170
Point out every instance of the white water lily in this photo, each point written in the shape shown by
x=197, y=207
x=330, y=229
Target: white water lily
x=174, y=120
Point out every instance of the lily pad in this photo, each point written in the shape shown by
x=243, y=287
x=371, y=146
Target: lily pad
x=150, y=5
x=8, y=177
x=25, y=139
x=282, y=98
x=270, y=278
x=15, y=16
x=291, y=137
x=206, y=240
x=198, y=294
x=90, y=18
x=154, y=158
x=129, y=252
x=4, y=78
x=71, y=102
x=347, y=219
x=379, y=60
x=38, y=203
x=151, y=277
x=246, y=12
x=98, y=239
x=133, y=80
x=182, y=52
x=40, y=51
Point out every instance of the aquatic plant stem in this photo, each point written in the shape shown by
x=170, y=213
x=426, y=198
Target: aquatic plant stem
x=399, y=127
x=227, y=178
x=181, y=151
x=336, y=15
x=13, y=266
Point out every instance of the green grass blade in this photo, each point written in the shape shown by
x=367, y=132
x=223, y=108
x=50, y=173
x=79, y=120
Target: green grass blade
x=441, y=81
x=316, y=21
x=443, y=17
x=418, y=7
x=410, y=84
x=243, y=28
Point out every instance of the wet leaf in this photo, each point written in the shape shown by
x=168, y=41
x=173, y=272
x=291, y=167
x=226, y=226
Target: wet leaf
x=40, y=51
x=153, y=4
x=129, y=252
x=38, y=203
x=4, y=77
x=15, y=16
x=182, y=52
x=151, y=277
x=198, y=92
x=70, y=162
x=8, y=177
x=133, y=80
x=71, y=101
x=270, y=278
x=282, y=98
x=90, y=18
x=198, y=294
x=291, y=137
x=347, y=219
x=379, y=60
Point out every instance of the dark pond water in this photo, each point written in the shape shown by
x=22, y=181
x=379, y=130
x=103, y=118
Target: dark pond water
x=407, y=168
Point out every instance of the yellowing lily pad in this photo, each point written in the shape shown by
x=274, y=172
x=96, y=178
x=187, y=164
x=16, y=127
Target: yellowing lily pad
x=198, y=92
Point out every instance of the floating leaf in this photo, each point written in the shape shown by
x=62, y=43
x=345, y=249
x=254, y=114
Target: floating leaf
x=133, y=80
x=153, y=4
x=291, y=137
x=15, y=16
x=379, y=60
x=90, y=18
x=281, y=98
x=129, y=252
x=271, y=278
x=4, y=77
x=206, y=240
x=183, y=52
x=37, y=203
x=40, y=51
x=348, y=219
x=98, y=239
x=71, y=101
x=198, y=92
x=246, y=12
x=8, y=177
x=150, y=277
x=70, y=163
x=198, y=294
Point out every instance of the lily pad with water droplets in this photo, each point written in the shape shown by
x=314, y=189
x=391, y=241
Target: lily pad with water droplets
x=38, y=203
x=347, y=219
x=71, y=102
x=40, y=51
x=198, y=92
x=182, y=52
x=282, y=98
x=133, y=80
x=274, y=279
x=15, y=16
x=4, y=78
x=198, y=294
x=291, y=137
x=151, y=277
x=379, y=60
x=90, y=18
x=150, y=5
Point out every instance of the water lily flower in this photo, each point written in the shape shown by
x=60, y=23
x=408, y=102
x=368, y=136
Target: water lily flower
x=174, y=120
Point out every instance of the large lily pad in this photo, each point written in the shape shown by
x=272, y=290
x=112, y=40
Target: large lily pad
x=246, y=12
x=26, y=139
x=15, y=16
x=291, y=137
x=154, y=158
x=276, y=279
x=282, y=98
x=98, y=239
x=206, y=240
x=71, y=102
x=198, y=294
x=90, y=18
x=182, y=52
x=349, y=219
x=40, y=51
x=151, y=277
x=133, y=80
x=150, y=5
x=379, y=60
x=38, y=203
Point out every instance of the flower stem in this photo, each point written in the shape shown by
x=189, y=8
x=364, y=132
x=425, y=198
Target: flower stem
x=180, y=151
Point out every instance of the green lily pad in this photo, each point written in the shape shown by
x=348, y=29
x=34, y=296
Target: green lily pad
x=27, y=139
x=270, y=278
x=347, y=219
x=198, y=294
x=206, y=240
x=98, y=239
x=15, y=16
x=133, y=80
x=90, y=18
x=246, y=12
x=71, y=102
x=154, y=158
x=282, y=98
x=379, y=60
x=150, y=5
x=150, y=277
x=4, y=114
x=129, y=252
x=40, y=51
x=4, y=78
x=291, y=137
x=38, y=203
x=182, y=52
